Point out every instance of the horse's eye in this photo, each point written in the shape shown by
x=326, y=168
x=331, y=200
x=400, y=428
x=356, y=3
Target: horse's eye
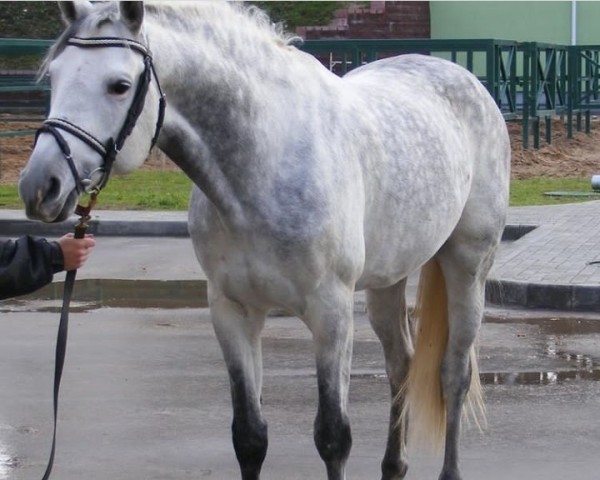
x=119, y=88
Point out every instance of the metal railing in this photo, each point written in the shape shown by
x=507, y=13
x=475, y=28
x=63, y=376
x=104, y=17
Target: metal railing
x=545, y=84
x=20, y=92
x=584, y=93
x=493, y=61
x=529, y=81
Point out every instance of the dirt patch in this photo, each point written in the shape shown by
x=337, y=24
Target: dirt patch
x=564, y=157
x=575, y=157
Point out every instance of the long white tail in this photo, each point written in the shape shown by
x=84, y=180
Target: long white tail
x=424, y=406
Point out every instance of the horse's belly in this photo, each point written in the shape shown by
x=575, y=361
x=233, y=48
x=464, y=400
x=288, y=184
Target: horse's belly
x=405, y=232
x=391, y=263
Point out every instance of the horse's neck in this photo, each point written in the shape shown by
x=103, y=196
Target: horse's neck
x=225, y=101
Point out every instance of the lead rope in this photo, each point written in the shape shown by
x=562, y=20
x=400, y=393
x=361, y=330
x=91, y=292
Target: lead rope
x=63, y=326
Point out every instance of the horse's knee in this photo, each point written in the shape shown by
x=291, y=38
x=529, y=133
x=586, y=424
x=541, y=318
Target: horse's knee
x=333, y=437
x=250, y=441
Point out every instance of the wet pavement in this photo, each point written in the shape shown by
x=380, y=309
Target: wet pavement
x=145, y=393
x=145, y=396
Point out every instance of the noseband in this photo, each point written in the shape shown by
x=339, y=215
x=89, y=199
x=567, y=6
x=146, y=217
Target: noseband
x=110, y=150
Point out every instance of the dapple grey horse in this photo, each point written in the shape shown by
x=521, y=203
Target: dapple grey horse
x=307, y=187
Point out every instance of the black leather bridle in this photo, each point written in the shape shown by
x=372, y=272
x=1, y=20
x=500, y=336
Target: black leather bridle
x=98, y=178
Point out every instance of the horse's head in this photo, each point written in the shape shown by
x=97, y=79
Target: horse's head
x=103, y=84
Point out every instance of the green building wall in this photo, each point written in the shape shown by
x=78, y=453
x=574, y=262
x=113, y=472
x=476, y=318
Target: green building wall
x=525, y=21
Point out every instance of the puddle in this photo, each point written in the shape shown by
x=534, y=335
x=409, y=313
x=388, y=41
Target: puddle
x=7, y=465
x=553, y=333
x=548, y=339
x=511, y=378
x=93, y=294
x=568, y=325
x=538, y=378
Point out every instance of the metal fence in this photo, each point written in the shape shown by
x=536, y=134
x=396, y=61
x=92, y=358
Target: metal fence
x=531, y=82
x=20, y=93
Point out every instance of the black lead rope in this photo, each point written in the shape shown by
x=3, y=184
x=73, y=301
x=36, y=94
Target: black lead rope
x=63, y=327
x=108, y=151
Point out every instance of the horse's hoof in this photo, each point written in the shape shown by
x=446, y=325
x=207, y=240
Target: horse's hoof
x=454, y=475
x=394, y=472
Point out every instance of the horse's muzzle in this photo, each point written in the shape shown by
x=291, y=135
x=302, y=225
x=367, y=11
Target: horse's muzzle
x=45, y=197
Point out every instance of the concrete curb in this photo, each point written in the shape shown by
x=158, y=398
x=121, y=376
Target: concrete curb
x=572, y=298
x=11, y=227
x=121, y=228
x=499, y=292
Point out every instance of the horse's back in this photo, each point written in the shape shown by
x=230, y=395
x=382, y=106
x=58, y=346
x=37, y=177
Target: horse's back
x=445, y=158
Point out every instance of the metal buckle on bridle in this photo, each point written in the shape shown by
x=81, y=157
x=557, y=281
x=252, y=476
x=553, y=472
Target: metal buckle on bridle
x=92, y=187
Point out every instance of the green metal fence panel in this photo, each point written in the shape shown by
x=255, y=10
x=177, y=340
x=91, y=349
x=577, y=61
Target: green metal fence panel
x=531, y=80
x=18, y=47
x=584, y=93
x=20, y=91
x=545, y=88
x=493, y=61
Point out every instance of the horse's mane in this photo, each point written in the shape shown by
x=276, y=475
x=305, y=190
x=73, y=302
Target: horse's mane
x=186, y=16
x=183, y=17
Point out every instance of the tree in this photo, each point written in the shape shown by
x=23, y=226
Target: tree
x=42, y=19
x=30, y=20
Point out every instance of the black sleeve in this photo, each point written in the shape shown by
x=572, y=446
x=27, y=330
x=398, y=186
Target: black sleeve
x=27, y=264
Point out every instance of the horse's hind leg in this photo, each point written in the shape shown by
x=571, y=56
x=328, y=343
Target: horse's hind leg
x=387, y=313
x=329, y=318
x=465, y=267
x=238, y=331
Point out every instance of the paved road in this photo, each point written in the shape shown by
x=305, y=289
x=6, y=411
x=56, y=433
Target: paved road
x=145, y=396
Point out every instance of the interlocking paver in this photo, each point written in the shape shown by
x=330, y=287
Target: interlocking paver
x=554, y=257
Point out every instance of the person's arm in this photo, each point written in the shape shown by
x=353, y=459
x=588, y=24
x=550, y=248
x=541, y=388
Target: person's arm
x=27, y=264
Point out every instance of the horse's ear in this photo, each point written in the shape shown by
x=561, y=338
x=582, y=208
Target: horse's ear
x=72, y=11
x=132, y=14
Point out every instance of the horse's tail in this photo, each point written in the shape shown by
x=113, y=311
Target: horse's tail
x=424, y=401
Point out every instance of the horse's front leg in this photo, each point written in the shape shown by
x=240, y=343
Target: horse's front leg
x=330, y=320
x=238, y=331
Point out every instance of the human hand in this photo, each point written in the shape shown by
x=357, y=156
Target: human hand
x=75, y=250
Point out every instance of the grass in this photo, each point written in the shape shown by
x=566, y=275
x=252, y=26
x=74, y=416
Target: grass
x=531, y=191
x=158, y=190
x=140, y=190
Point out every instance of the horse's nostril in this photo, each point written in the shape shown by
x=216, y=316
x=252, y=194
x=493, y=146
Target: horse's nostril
x=53, y=189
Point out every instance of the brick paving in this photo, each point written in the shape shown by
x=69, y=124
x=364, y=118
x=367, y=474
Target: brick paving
x=552, y=266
